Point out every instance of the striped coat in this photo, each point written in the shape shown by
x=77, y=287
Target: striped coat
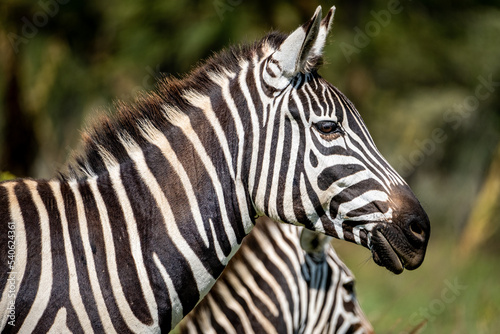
x=284, y=279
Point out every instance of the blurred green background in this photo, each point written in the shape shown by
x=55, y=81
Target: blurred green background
x=425, y=75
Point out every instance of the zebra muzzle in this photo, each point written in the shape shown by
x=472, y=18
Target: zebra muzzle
x=402, y=242
x=394, y=250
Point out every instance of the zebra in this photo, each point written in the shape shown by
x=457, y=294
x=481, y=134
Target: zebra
x=283, y=279
x=137, y=228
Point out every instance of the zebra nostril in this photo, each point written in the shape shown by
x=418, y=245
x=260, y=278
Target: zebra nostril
x=417, y=230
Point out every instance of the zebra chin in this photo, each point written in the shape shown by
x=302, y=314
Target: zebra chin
x=391, y=250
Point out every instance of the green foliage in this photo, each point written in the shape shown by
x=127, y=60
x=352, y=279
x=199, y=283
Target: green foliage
x=454, y=294
x=4, y=176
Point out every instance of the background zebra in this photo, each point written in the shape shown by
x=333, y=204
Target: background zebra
x=163, y=194
x=283, y=279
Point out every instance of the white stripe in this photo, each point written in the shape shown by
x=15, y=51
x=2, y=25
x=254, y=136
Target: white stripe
x=328, y=310
x=203, y=102
x=218, y=250
x=60, y=323
x=205, y=323
x=345, y=182
x=291, y=254
x=21, y=251
x=309, y=207
x=283, y=302
x=190, y=327
x=368, y=162
x=365, y=151
x=355, y=232
x=309, y=93
x=45, y=283
x=219, y=316
x=175, y=302
x=361, y=200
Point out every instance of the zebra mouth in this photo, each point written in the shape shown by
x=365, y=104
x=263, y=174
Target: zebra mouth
x=385, y=253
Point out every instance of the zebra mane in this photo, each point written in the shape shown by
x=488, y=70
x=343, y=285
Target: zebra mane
x=125, y=120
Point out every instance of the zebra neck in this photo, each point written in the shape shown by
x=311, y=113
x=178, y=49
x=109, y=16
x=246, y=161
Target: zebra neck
x=186, y=187
x=172, y=183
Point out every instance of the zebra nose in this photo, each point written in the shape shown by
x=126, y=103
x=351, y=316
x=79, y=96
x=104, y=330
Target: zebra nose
x=410, y=216
x=417, y=229
x=417, y=234
x=413, y=223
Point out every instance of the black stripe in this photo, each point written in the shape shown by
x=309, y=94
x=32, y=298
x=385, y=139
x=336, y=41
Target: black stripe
x=29, y=285
x=375, y=206
x=254, y=94
x=4, y=236
x=332, y=174
x=285, y=164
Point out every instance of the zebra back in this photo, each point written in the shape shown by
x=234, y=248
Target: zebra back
x=274, y=285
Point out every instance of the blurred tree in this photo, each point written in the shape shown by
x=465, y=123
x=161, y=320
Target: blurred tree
x=20, y=143
x=483, y=220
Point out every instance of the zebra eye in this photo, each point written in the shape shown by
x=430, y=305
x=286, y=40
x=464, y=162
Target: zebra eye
x=326, y=127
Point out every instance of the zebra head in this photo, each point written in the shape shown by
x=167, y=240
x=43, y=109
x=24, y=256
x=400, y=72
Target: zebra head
x=329, y=175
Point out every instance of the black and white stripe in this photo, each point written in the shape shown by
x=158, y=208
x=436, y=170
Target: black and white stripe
x=148, y=215
x=284, y=279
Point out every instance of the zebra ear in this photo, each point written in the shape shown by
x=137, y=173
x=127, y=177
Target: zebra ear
x=313, y=243
x=319, y=43
x=300, y=51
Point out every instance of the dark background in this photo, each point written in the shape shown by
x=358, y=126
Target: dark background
x=425, y=75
